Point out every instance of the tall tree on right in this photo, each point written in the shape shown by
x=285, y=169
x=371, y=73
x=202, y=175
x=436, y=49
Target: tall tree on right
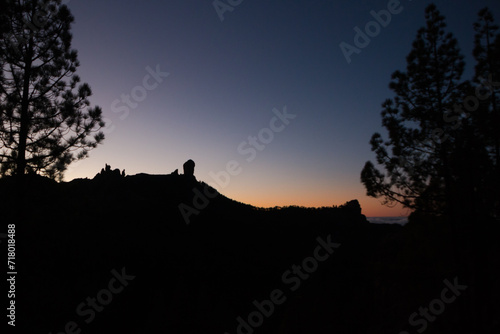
x=422, y=123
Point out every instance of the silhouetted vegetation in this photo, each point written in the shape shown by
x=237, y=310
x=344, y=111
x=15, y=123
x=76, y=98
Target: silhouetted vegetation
x=442, y=155
x=45, y=119
x=443, y=131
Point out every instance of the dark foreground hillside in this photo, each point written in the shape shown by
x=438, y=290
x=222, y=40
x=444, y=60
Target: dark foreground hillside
x=116, y=255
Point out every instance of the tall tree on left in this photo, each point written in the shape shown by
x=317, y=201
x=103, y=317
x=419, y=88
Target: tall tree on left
x=46, y=121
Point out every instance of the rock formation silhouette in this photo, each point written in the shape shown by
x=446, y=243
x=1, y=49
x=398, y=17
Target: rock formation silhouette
x=108, y=173
x=189, y=168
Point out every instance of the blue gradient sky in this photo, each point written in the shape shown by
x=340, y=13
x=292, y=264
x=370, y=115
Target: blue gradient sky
x=226, y=77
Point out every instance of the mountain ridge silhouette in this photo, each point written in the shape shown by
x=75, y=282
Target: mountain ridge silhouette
x=205, y=275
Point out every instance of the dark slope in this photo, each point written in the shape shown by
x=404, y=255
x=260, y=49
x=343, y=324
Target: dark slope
x=201, y=277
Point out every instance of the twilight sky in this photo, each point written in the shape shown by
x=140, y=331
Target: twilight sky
x=265, y=94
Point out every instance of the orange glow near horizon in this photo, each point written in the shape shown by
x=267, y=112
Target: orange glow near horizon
x=270, y=192
x=370, y=207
